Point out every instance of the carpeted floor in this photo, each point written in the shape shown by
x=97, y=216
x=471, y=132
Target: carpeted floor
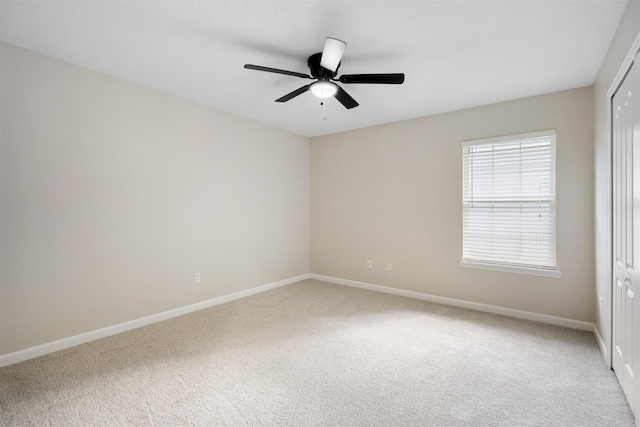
x=320, y=354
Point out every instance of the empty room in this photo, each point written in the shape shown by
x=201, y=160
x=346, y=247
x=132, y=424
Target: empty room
x=327, y=213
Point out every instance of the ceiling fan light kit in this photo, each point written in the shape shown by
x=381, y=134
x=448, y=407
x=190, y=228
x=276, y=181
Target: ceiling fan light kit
x=323, y=89
x=324, y=68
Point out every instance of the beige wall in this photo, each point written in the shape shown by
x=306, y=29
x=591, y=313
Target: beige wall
x=114, y=195
x=393, y=193
x=627, y=32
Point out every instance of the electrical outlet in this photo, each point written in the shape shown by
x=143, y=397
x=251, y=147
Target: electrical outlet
x=197, y=278
x=389, y=266
x=369, y=263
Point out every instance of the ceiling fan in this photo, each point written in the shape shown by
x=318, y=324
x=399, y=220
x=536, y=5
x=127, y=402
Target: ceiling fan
x=324, y=68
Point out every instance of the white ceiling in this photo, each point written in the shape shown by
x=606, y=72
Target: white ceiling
x=455, y=54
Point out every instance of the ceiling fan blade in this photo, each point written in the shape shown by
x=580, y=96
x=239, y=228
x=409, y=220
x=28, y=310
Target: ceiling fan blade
x=391, y=79
x=293, y=94
x=332, y=53
x=275, y=70
x=345, y=99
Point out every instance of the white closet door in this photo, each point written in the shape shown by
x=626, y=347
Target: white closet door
x=626, y=235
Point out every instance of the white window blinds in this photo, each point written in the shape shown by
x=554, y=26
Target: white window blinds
x=509, y=200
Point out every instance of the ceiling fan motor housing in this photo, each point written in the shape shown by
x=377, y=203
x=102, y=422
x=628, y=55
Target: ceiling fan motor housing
x=319, y=72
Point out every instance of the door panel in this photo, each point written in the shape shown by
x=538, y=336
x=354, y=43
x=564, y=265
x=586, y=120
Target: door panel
x=626, y=236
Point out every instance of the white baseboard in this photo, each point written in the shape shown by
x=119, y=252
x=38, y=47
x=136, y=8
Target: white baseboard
x=40, y=350
x=602, y=345
x=520, y=314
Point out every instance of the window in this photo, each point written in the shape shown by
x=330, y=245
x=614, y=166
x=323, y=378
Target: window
x=509, y=204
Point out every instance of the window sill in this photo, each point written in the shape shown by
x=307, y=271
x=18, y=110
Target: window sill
x=510, y=269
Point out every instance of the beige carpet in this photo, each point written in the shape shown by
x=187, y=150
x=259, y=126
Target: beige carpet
x=319, y=354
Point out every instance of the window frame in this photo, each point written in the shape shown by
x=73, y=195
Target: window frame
x=512, y=267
